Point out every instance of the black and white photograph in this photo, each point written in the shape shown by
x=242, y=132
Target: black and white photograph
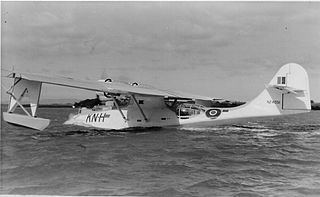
x=160, y=98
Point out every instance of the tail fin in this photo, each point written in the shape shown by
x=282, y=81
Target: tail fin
x=287, y=93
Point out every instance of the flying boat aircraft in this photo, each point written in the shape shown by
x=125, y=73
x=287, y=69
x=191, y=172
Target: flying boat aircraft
x=131, y=105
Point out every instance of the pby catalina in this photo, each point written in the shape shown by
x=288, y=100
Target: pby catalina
x=134, y=105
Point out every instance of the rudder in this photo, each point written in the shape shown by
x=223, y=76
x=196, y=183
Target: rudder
x=287, y=93
x=293, y=82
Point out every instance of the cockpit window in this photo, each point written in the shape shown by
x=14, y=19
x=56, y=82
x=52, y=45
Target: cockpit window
x=187, y=110
x=123, y=101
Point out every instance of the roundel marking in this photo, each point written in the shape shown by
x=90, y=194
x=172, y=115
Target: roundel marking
x=213, y=113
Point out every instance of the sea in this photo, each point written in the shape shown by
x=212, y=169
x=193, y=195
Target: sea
x=275, y=156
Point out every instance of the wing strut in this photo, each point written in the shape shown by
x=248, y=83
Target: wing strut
x=141, y=111
x=117, y=105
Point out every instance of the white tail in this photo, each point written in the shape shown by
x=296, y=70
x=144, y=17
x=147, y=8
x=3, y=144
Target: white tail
x=287, y=93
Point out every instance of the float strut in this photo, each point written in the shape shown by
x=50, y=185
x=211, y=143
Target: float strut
x=18, y=102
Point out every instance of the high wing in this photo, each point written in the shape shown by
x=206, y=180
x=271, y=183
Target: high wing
x=98, y=86
x=30, y=84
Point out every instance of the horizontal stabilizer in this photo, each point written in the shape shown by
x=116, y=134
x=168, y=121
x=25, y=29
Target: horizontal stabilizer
x=26, y=121
x=286, y=89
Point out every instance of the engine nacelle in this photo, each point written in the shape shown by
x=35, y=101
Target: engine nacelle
x=134, y=84
x=108, y=80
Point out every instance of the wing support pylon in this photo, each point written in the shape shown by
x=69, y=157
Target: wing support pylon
x=117, y=105
x=141, y=111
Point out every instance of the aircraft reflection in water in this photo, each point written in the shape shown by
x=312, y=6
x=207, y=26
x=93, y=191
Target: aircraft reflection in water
x=132, y=105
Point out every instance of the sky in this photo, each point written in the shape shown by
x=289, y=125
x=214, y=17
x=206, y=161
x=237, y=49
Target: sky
x=220, y=49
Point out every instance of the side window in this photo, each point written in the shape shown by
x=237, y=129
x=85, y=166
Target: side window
x=279, y=80
x=283, y=80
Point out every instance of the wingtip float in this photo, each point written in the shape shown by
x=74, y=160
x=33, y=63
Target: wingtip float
x=128, y=106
